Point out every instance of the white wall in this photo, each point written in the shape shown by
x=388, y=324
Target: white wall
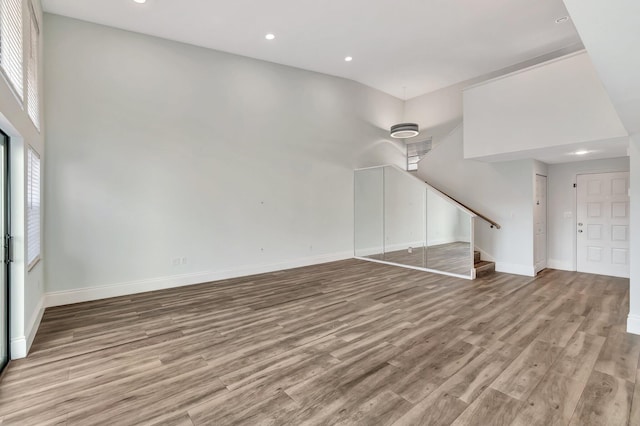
x=438, y=113
x=463, y=228
x=561, y=205
x=501, y=191
x=610, y=33
x=161, y=150
x=26, y=286
x=404, y=210
x=394, y=206
x=633, y=322
x=444, y=224
x=558, y=103
x=369, y=211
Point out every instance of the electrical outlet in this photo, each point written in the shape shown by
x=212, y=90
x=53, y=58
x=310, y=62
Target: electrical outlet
x=184, y=260
x=175, y=261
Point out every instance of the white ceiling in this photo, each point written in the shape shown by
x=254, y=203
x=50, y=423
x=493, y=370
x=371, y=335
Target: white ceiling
x=611, y=32
x=592, y=150
x=423, y=45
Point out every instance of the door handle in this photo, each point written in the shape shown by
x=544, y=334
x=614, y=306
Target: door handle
x=8, y=249
x=580, y=230
x=580, y=224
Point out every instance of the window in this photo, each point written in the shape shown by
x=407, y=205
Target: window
x=33, y=207
x=416, y=152
x=11, y=43
x=33, y=101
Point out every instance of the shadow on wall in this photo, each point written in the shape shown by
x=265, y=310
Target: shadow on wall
x=380, y=153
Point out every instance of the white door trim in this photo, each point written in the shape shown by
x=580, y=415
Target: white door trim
x=539, y=266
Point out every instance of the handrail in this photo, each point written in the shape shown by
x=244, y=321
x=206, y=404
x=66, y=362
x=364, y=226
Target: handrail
x=480, y=215
x=444, y=194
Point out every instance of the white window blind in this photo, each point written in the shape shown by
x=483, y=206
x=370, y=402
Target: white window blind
x=11, y=43
x=33, y=102
x=33, y=207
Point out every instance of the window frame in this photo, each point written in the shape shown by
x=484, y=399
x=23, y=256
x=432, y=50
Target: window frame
x=33, y=66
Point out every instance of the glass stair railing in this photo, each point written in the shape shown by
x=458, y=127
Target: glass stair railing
x=401, y=220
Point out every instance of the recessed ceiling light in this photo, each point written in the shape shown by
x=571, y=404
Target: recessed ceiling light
x=562, y=19
x=348, y=59
x=140, y=1
x=270, y=36
x=581, y=152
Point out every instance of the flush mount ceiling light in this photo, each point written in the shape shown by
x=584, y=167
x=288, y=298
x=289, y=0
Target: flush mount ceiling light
x=581, y=152
x=562, y=19
x=404, y=130
x=270, y=36
x=348, y=59
x=140, y=1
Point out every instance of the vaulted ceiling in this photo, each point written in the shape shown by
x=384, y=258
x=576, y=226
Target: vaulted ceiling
x=402, y=47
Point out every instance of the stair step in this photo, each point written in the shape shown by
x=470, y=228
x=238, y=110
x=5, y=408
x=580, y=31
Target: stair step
x=476, y=256
x=484, y=267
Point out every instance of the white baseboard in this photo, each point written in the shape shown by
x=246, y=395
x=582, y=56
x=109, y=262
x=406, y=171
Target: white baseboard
x=403, y=246
x=633, y=324
x=441, y=241
x=516, y=269
x=461, y=239
x=562, y=265
x=370, y=251
x=86, y=294
x=20, y=346
x=34, y=323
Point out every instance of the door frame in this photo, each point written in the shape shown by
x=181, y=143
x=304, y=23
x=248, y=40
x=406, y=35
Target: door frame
x=546, y=224
x=5, y=192
x=575, y=204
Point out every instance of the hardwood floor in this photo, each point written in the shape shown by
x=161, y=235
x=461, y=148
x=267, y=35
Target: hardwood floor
x=349, y=342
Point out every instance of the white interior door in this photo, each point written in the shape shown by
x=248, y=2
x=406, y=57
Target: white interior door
x=603, y=224
x=540, y=223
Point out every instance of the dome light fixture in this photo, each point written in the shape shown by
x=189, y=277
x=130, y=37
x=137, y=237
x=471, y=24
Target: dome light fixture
x=404, y=130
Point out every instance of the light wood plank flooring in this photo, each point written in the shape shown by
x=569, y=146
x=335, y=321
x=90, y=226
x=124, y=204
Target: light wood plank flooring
x=349, y=342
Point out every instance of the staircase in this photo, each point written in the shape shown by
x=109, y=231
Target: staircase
x=482, y=267
x=422, y=227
